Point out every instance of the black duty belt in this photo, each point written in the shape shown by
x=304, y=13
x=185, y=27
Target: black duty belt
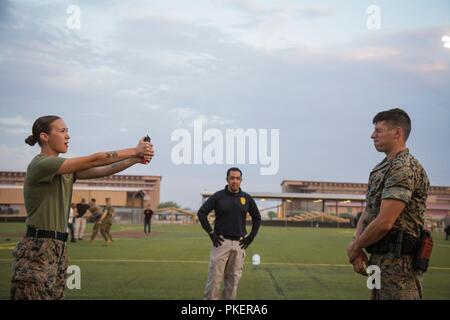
x=388, y=244
x=38, y=233
x=234, y=238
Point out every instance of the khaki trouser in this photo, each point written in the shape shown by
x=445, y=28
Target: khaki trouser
x=80, y=225
x=225, y=263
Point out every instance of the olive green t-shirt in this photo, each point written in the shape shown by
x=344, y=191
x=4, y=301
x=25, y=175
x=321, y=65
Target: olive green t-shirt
x=47, y=195
x=109, y=214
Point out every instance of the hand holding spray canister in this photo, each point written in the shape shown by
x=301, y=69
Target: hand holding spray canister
x=146, y=139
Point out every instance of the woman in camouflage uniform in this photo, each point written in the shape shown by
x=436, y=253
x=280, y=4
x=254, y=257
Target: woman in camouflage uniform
x=40, y=259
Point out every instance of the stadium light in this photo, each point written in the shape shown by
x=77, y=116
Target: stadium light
x=446, y=41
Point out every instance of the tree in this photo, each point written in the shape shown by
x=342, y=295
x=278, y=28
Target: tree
x=168, y=204
x=271, y=214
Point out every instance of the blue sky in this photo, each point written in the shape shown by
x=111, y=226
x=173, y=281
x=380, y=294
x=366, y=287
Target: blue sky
x=311, y=69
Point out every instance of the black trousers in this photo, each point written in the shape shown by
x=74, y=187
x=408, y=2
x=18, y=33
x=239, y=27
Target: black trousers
x=72, y=229
x=147, y=226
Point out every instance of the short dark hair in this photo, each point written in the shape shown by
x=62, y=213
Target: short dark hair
x=233, y=169
x=396, y=117
x=93, y=200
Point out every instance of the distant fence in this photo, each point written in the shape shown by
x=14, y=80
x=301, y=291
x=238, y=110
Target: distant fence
x=14, y=218
x=310, y=224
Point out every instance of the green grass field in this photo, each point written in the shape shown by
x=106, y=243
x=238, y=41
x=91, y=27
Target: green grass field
x=296, y=263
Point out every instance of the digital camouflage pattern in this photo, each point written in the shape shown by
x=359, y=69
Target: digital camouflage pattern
x=399, y=281
x=109, y=214
x=39, y=270
x=402, y=178
x=105, y=227
x=95, y=229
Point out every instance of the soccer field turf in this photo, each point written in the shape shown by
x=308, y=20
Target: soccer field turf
x=171, y=263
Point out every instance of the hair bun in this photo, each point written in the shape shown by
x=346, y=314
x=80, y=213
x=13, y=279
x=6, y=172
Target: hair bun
x=30, y=140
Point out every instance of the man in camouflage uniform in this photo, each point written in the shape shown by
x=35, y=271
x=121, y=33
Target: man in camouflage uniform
x=394, y=214
x=95, y=215
x=106, y=221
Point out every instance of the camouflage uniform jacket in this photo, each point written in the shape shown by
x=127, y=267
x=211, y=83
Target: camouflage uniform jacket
x=402, y=178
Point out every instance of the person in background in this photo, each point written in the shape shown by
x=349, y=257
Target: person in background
x=72, y=222
x=148, y=213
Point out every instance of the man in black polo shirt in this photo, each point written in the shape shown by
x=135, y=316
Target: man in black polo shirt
x=229, y=235
x=80, y=222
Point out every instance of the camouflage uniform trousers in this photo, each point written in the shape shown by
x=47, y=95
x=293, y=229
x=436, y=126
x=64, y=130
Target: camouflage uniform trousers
x=39, y=269
x=95, y=230
x=105, y=230
x=399, y=281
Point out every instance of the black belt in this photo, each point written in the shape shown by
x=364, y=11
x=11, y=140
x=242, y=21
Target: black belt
x=38, y=233
x=386, y=245
x=234, y=238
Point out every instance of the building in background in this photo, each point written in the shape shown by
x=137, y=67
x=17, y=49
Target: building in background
x=438, y=202
x=128, y=193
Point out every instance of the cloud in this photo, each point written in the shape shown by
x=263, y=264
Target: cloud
x=411, y=51
x=93, y=114
x=153, y=107
x=58, y=58
x=373, y=53
x=160, y=70
x=6, y=12
x=16, y=158
x=314, y=12
x=145, y=91
x=254, y=7
x=185, y=117
x=438, y=66
x=16, y=131
x=17, y=125
x=14, y=121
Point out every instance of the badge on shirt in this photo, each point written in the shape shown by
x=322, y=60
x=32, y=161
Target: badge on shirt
x=243, y=201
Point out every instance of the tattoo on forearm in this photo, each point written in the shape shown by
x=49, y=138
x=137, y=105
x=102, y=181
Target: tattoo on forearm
x=122, y=164
x=112, y=154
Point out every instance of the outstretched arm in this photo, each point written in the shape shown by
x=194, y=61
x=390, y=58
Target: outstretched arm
x=74, y=165
x=108, y=170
